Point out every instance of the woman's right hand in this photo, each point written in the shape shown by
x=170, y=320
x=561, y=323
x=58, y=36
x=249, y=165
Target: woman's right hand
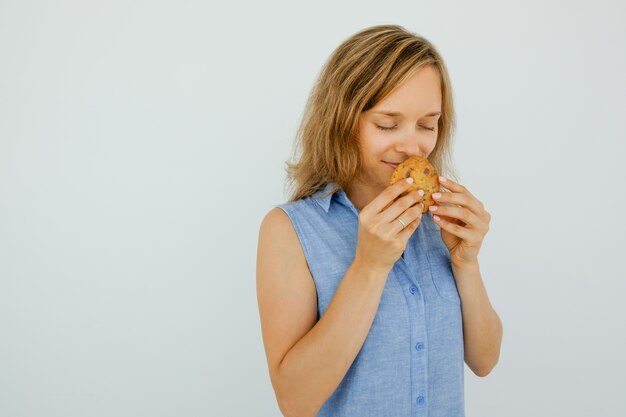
x=381, y=237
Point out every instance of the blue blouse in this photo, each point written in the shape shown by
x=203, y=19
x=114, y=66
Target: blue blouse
x=411, y=363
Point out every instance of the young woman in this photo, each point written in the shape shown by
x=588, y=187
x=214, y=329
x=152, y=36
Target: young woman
x=368, y=307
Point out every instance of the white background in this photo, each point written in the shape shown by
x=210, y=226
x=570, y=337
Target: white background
x=142, y=142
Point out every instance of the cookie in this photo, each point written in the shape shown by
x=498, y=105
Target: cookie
x=424, y=175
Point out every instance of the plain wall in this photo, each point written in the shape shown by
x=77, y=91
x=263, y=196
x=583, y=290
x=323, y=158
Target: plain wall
x=142, y=143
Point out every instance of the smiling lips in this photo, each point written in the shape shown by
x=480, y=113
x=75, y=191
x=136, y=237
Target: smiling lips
x=393, y=165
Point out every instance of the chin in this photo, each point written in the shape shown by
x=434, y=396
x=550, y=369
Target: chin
x=377, y=179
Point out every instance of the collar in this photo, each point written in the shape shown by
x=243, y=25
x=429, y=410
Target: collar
x=325, y=195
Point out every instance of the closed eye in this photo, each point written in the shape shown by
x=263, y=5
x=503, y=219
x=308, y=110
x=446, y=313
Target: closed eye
x=432, y=129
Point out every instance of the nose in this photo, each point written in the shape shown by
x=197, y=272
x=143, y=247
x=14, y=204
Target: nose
x=412, y=144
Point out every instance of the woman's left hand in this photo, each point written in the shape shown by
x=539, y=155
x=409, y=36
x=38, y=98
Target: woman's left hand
x=463, y=222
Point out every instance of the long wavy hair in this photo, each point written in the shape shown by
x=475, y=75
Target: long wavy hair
x=363, y=70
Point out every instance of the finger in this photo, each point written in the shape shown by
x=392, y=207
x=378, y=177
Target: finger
x=407, y=217
x=387, y=197
x=448, y=219
x=401, y=205
x=465, y=215
x=410, y=228
x=456, y=229
x=464, y=201
x=455, y=187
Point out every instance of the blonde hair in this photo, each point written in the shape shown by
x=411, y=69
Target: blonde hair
x=362, y=71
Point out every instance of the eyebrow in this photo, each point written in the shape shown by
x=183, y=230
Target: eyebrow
x=394, y=113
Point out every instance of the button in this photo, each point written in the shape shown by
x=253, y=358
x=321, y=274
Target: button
x=420, y=400
x=413, y=289
x=419, y=346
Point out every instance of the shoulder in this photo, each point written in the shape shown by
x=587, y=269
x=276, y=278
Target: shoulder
x=287, y=222
x=277, y=230
x=276, y=220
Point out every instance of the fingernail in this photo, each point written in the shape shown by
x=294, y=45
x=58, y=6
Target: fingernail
x=442, y=179
x=420, y=192
x=409, y=180
x=437, y=195
x=432, y=208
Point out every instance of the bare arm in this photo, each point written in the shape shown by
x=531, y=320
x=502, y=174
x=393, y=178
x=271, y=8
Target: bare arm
x=308, y=360
x=482, y=328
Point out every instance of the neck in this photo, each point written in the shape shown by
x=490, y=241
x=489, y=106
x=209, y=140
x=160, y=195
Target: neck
x=360, y=194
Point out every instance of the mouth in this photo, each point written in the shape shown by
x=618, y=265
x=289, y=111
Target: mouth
x=393, y=165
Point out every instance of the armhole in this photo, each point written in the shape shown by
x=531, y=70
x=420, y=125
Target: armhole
x=303, y=245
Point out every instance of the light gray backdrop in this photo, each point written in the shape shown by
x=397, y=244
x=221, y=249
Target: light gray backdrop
x=142, y=142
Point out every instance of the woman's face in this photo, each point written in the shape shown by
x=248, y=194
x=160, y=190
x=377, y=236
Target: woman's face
x=389, y=139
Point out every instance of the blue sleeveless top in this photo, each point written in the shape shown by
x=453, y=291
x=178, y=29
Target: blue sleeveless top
x=412, y=362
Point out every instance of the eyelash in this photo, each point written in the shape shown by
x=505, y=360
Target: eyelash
x=432, y=129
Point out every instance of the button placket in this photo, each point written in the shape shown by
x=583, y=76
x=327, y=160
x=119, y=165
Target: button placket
x=419, y=369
